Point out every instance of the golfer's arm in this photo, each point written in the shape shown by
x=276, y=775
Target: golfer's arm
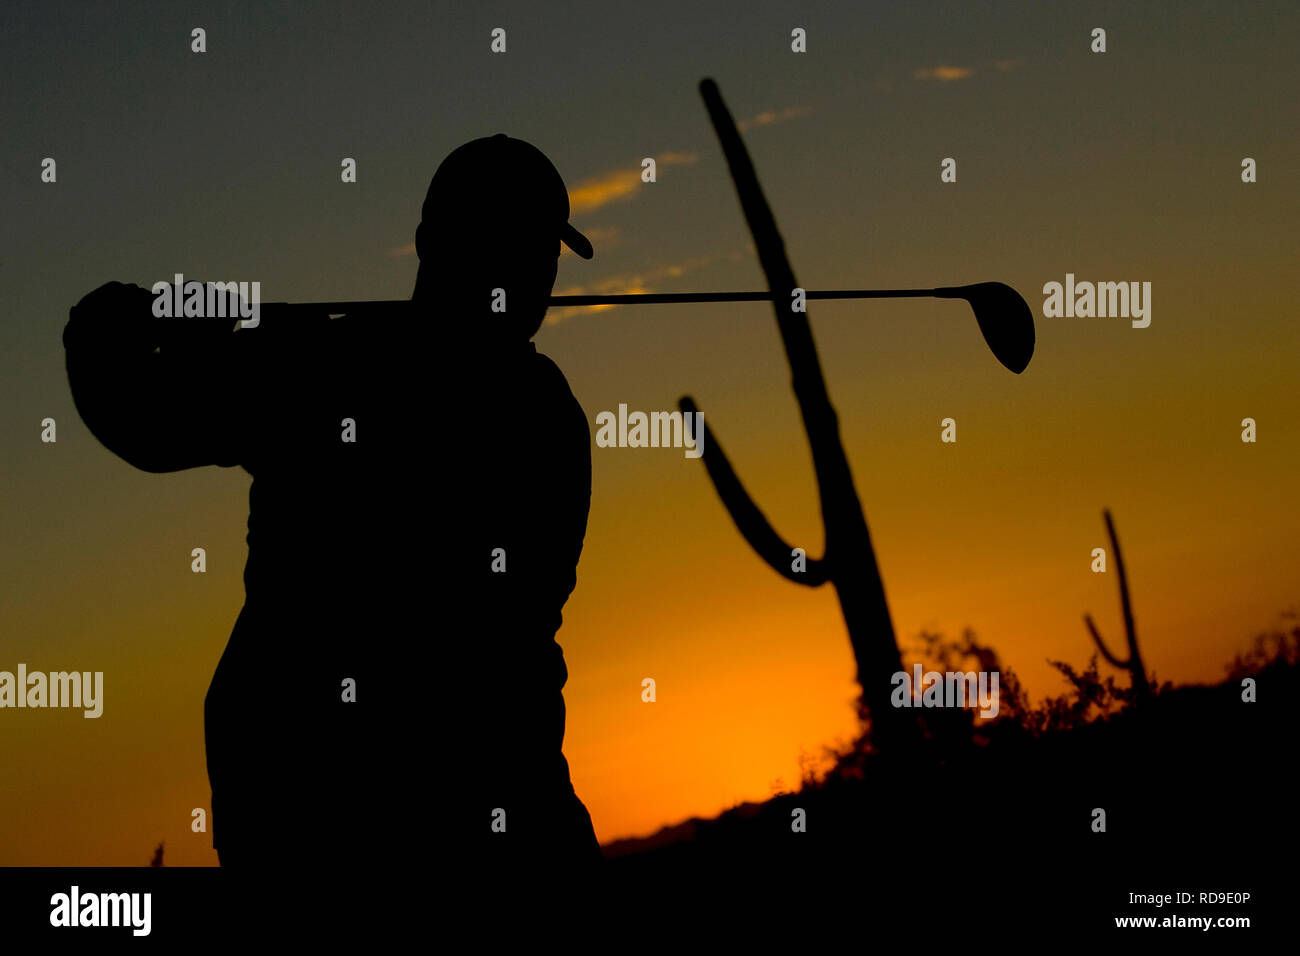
x=543, y=572
x=164, y=410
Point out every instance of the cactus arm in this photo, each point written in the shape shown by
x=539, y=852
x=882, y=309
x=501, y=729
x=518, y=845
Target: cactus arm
x=1101, y=645
x=751, y=523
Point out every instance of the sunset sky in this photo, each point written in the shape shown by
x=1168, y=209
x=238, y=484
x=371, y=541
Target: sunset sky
x=1123, y=166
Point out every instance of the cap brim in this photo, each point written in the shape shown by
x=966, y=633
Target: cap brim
x=576, y=241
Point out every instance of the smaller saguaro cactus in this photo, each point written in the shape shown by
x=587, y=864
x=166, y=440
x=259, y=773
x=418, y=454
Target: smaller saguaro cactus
x=1134, y=665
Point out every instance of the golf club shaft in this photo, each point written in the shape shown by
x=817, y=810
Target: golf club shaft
x=642, y=298
x=667, y=298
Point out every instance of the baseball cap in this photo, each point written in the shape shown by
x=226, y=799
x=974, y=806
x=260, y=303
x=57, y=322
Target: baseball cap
x=500, y=179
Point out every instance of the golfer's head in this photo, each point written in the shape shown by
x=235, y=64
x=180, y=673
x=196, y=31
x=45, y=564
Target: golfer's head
x=493, y=219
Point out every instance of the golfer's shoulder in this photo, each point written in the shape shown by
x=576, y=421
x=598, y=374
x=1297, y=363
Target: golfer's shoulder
x=551, y=388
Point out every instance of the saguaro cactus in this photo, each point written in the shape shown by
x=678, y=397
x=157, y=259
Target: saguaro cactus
x=1134, y=665
x=849, y=562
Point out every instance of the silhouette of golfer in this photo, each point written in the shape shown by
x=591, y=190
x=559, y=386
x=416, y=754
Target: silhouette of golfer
x=392, y=688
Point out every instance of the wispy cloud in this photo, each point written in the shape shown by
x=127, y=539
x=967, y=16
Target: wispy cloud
x=772, y=117
x=1006, y=66
x=944, y=74
x=626, y=284
x=618, y=184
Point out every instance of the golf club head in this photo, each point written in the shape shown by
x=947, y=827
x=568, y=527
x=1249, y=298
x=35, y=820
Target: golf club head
x=1004, y=319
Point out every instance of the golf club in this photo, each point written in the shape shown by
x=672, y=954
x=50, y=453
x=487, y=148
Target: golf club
x=1003, y=316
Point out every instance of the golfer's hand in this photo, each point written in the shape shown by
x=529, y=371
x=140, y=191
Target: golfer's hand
x=115, y=317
